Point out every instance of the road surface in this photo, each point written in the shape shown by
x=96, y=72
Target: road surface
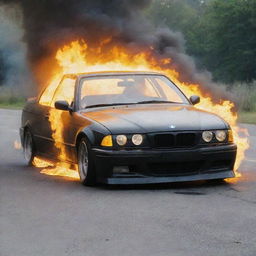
x=45, y=215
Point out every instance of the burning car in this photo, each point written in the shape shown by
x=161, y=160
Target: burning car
x=127, y=128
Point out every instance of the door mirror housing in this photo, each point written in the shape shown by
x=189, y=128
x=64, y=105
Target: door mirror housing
x=62, y=105
x=194, y=99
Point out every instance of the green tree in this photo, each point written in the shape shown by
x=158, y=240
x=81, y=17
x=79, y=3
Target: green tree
x=2, y=69
x=229, y=49
x=221, y=34
x=178, y=15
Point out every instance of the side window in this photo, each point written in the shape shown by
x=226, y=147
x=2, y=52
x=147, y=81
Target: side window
x=47, y=95
x=65, y=91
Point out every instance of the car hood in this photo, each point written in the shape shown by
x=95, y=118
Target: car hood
x=154, y=118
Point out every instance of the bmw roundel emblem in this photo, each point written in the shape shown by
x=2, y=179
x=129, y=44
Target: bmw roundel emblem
x=172, y=126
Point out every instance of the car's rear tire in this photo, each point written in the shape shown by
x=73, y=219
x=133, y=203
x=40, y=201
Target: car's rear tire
x=85, y=164
x=28, y=148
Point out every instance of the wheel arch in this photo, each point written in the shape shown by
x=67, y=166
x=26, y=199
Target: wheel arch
x=79, y=137
x=85, y=133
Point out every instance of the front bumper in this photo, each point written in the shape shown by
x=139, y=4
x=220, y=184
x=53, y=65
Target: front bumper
x=163, y=166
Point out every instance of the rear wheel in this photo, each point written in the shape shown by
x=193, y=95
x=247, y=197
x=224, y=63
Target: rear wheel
x=85, y=164
x=28, y=148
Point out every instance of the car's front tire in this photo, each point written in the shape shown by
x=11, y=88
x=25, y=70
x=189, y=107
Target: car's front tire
x=28, y=148
x=85, y=164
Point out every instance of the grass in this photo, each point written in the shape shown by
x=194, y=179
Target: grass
x=247, y=117
x=245, y=96
x=9, y=98
x=17, y=105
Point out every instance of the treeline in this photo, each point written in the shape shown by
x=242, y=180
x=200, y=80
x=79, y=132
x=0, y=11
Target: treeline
x=220, y=34
x=2, y=69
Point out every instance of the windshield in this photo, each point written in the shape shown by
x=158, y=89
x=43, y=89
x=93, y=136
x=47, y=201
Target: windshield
x=128, y=89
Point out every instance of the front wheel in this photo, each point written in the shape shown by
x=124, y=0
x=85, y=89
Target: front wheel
x=28, y=148
x=85, y=164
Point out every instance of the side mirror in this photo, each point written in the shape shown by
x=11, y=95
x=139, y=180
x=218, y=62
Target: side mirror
x=194, y=99
x=62, y=105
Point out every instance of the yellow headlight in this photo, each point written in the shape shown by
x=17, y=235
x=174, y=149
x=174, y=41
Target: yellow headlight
x=107, y=141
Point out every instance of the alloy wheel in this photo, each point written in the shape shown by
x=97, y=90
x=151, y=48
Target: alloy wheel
x=28, y=147
x=83, y=161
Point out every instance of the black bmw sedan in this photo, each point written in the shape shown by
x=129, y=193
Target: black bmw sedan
x=128, y=128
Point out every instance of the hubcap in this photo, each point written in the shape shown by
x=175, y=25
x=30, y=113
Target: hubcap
x=28, y=147
x=83, y=161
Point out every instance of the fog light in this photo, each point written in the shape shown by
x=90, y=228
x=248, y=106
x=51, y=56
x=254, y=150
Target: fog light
x=121, y=140
x=207, y=136
x=137, y=139
x=221, y=135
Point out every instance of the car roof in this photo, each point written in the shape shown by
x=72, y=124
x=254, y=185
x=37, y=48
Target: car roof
x=113, y=73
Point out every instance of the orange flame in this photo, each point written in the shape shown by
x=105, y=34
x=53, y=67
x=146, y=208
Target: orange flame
x=17, y=145
x=77, y=58
x=60, y=169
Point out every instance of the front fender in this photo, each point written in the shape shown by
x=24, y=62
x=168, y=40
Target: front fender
x=94, y=133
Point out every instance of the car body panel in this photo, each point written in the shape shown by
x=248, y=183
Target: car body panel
x=186, y=163
x=154, y=118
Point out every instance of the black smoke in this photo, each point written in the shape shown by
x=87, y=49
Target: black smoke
x=50, y=24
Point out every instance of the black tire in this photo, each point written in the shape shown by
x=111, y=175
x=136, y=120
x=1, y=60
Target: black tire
x=28, y=147
x=86, y=168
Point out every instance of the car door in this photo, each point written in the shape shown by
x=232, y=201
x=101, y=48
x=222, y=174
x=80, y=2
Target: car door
x=61, y=122
x=42, y=125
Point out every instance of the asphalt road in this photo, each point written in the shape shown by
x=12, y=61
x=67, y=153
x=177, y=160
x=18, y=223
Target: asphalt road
x=43, y=215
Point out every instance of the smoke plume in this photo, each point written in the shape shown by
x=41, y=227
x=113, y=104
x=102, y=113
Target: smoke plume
x=50, y=24
x=13, y=64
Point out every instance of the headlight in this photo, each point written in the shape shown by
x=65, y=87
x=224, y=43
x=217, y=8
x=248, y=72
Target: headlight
x=207, y=136
x=121, y=140
x=137, y=139
x=221, y=135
